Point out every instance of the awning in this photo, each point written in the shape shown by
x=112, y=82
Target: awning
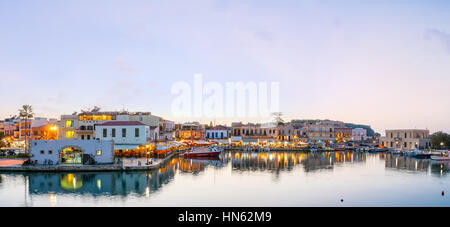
x=126, y=146
x=162, y=147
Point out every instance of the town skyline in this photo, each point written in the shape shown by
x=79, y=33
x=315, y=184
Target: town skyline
x=378, y=63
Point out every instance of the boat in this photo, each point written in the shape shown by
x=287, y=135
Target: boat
x=443, y=157
x=440, y=158
x=203, y=152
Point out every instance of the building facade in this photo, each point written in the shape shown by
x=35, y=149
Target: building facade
x=54, y=152
x=82, y=126
x=191, y=131
x=406, y=139
x=359, y=134
x=123, y=132
x=217, y=132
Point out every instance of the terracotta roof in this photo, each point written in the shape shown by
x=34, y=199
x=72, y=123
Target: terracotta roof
x=121, y=123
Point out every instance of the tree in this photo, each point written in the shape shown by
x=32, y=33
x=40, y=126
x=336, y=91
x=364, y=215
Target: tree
x=277, y=118
x=26, y=113
x=440, y=140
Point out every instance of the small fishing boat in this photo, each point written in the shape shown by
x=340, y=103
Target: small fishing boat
x=202, y=152
x=443, y=157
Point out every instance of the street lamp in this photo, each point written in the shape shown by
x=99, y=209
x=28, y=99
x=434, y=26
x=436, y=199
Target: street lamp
x=147, y=153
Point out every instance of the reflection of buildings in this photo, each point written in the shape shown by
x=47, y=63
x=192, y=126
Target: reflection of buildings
x=440, y=168
x=288, y=161
x=406, y=163
x=141, y=183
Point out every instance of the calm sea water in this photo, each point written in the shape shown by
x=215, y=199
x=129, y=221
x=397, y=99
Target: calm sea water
x=245, y=179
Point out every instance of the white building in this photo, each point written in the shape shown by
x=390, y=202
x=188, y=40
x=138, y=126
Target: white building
x=54, y=152
x=123, y=132
x=359, y=134
x=217, y=132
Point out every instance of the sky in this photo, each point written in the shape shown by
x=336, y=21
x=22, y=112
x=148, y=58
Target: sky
x=380, y=63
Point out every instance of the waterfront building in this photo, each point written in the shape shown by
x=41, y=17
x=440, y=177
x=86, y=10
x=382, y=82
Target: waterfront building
x=343, y=134
x=82, y=126
x=125, y=134
x=56, y=152
x=191, y=131
x=166, y=129
x=154, y=133
x=321, y=130
x=406, y=139
x=45, y=132
x=217, y=132
x=359, y=134
x=254, y=131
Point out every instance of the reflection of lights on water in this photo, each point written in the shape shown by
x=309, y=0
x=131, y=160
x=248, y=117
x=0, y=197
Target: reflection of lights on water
x=99, y=184
x=416, y=165
x=147, y=191
x=441, y=172
x=270, y=157
x=396, y=162
x=52, y=199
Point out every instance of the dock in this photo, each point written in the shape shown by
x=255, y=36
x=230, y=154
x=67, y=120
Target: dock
x=86, y=168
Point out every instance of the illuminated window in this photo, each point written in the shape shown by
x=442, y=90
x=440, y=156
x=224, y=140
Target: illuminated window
x=69, y=124
x=69, y=134
x=99, y=152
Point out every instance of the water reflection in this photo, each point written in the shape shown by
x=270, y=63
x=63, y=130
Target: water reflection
x=405, y=163
x=310, y=161
x=108, y=183
x=145, y=184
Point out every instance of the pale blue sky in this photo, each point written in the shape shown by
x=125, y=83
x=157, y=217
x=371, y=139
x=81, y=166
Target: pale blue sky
x=382, y=63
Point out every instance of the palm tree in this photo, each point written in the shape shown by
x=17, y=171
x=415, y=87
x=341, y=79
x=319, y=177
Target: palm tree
x=26, y=113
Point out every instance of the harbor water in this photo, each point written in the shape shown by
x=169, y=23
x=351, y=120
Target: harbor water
x=240, y=178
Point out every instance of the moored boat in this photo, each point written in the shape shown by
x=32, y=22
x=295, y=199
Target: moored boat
x=442, y=157
x=202, y=152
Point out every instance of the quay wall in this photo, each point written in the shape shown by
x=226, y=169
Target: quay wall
x=87, y=168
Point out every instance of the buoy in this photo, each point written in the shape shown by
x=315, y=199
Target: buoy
x=443, y=193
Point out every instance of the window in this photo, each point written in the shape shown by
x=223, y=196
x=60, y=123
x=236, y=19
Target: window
x=99, y=152
x=105, y=132
x=69, y=134
x=42, y=152
x=113, y=132
x=82, y=137
x=50, y=152
x=88, y=137
x=69, y=124
x=124, y=132
x=136, y=132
